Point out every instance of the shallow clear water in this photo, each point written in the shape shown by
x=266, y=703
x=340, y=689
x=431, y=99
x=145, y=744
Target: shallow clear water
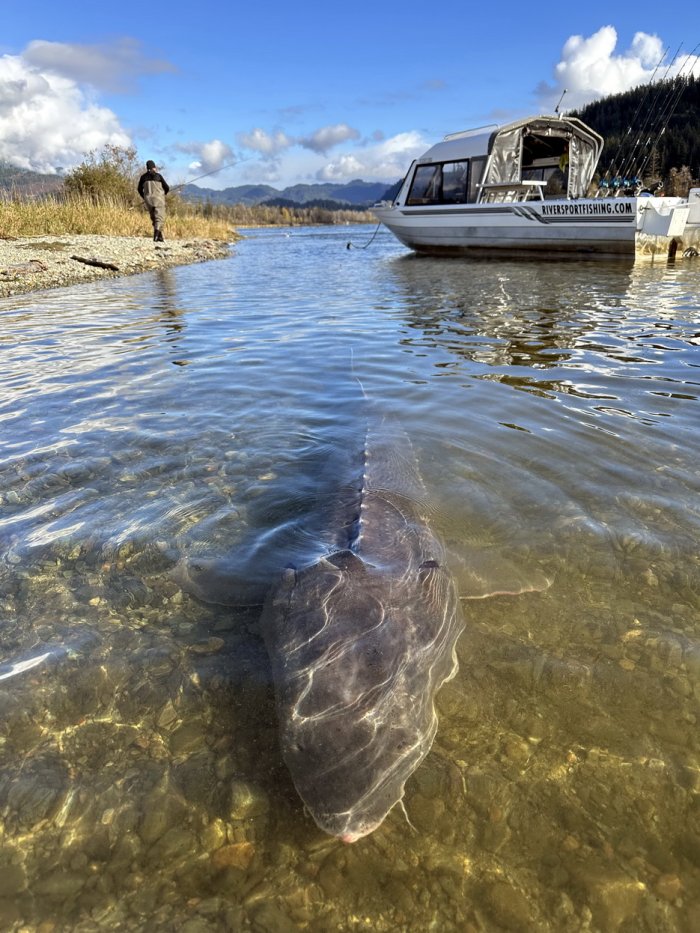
x=554, y=412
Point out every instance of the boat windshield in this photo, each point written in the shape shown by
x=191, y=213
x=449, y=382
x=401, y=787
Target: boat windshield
x=440, y=183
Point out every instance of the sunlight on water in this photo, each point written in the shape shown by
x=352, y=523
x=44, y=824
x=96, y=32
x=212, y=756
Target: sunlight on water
x=196, y=413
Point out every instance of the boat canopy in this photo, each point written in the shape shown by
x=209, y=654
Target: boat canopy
x=466, y=145
x=520, y=145
x=519, y=153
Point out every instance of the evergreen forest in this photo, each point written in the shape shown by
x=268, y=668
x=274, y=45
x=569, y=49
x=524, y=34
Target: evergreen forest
x=652, y=131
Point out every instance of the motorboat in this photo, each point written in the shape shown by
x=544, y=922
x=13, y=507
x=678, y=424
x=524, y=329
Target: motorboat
x=528, y=188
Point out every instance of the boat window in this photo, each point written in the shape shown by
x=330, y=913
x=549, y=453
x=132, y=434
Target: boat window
x=475, y=176
x=454, y=182
x=426, y=185
x=444, y=183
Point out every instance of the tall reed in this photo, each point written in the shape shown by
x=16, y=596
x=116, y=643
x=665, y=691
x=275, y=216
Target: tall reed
x=83, y=214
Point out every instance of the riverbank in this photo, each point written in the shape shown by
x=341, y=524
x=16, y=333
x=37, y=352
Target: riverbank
x=41, y=262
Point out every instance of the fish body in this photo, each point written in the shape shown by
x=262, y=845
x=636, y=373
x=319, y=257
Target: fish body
x=360, y=640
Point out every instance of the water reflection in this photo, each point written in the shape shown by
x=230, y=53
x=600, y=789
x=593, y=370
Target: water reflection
x=601, y=323
x=172, y=314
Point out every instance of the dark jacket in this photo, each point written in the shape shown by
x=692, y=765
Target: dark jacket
x=153, y=187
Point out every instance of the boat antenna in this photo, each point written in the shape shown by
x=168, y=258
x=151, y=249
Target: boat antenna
x=556, y=109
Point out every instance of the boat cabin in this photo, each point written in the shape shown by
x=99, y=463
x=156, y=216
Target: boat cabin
x=535, y=158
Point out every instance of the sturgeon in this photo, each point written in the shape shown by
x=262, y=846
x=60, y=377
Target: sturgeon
x=360, y=641
x=362, y=634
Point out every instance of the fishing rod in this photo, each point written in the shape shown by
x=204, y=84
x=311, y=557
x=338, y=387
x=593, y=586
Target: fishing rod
x=207, y=174
x=633, y=121
x=680, y=82
x=212, y=172
x=647, y=124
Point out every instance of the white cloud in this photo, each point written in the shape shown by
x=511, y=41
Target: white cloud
x=261, y=172
x=388, y=160
x=328, y=136
x=109, y=67
x=267, y=144
x=346, y=166
x=590, y=68
x=211, y=156
x=47, y=120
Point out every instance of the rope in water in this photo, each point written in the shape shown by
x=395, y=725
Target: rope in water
x=351, y=245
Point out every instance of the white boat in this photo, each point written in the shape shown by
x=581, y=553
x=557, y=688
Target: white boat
x=524, y=188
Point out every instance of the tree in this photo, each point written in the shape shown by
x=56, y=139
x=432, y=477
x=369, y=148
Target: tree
x=112, y=173
x=679, y=182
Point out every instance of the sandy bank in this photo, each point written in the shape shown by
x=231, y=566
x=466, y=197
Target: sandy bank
x=35, y=263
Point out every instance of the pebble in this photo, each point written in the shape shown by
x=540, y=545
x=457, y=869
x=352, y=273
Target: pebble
x=55, y=268
x=509, y=907
x=238, y=855
x=207, y=646
x=669, y=887
x=269, y=918
x=59, y=884
x=13, y=880
x=246, y=801
x=187, y=738
x=175, y=843
x=613, y=897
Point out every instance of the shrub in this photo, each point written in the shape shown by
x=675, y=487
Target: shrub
x=112, y=173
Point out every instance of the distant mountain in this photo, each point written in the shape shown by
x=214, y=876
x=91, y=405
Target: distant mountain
x=243, y=194
x=24, y=183
x=356, y=193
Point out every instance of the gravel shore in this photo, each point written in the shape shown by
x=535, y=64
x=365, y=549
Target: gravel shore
x=30, y=264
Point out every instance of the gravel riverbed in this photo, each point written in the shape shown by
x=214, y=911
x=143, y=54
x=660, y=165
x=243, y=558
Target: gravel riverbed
x=35, y=263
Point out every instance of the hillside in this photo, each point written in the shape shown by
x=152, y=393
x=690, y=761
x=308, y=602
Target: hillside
x=355, y=193
x=20, y=182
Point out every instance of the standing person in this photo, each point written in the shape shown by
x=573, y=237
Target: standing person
x=153, y=188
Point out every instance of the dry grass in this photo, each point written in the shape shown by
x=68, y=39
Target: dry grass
x=20, y=217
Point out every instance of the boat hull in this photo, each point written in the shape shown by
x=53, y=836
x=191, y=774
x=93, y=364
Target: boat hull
x=587, y=227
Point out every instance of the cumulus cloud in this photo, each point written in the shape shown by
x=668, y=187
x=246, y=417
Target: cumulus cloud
x=387, y=160
x=327, y=137
x=590, y=67
x=108, y=67
x=211, y=156
x=372, y=158
x=47, y=120
x=269, y=145
x=344, y=167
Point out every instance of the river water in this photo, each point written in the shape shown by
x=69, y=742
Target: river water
x=554, y=412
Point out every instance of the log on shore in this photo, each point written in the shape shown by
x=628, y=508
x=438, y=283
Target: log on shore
x=97, y=262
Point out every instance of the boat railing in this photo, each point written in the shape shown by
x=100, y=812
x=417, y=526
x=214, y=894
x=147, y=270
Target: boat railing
x=503, y=192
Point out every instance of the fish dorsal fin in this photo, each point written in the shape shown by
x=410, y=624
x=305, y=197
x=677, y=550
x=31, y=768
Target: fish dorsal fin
x=347, y=561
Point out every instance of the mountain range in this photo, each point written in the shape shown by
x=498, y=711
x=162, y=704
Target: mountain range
x=356, y=193
x=26, y=183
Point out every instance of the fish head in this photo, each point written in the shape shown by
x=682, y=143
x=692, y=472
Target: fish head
x=354, y=700
x=220, y=581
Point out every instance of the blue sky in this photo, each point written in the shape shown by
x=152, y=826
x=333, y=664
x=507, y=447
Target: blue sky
x=305, y=92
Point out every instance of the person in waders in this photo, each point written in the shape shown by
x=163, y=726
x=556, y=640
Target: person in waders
x=153, y=188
